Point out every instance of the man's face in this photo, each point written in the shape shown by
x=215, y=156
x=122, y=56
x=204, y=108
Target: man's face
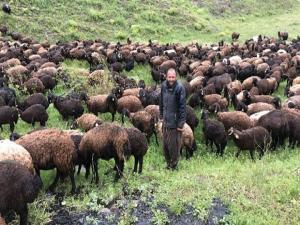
x=171, y=77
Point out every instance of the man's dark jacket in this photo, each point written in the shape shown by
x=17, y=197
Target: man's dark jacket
x=172, y=105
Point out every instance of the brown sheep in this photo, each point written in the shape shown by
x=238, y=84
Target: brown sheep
x=209, y=100
x=49, y=149
x=187, y=138
x=86, y=122
x=248, y=83
x=153, y=110
x=17, y=74
x=141, y=120
x=103, y=104
x=34, y=85
x=132, y=103
x=106, y=141
x=257, y=107
x=132, y=91
x=238, y=120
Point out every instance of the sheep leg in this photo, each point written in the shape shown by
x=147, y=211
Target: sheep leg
x=252, y=154
x=32, y=124
x=155, y=135
x=87, y=170
x=120, y=168
x=135, y=164
x=11, y=126
x=23, y=215
x=42, y=123
x=238, y=153
x=73, y=190
x=95, y=165
x=79, y=168
x=52, y=186
x=140, y=164
x=113, y=117
x=1, y=127
x=261, y=153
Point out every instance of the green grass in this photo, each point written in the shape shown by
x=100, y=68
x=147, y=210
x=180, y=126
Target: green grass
x=262, y=192
x=163, y=20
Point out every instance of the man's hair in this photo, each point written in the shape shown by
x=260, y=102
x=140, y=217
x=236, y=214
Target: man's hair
x=171, y=70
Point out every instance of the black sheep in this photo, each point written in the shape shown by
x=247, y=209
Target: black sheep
x=35, y=113
x=8, y=115
x=48, y=81
x=191, y=118
x=214, y=133
x=8, y=95
x=18, y=187
x=6, y=8
x=37, y=98
x=67, y=106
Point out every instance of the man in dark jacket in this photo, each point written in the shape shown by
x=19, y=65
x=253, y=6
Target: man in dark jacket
x=172, y=115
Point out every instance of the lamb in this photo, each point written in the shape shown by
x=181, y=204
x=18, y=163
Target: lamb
x=86, y=122
x=214, y=132
x=18, y=187
x=237, y=120
x=12, y=151
x=103, y=104
x=106, y=141
x=141, y=120
x=138, y=147
x=8, y=115
x=37, y=98
x=132, y=103
x=35, y=113
x=187, y=139
x=256, y=138
x=49, y=149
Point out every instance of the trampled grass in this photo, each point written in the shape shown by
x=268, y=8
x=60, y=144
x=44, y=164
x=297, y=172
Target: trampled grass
x=262, y=192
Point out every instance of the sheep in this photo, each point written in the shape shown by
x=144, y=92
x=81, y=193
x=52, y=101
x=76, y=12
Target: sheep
x=235, y=36
x=48, y=81
x=49, y=149
x=37, y=98
x=132, y=91
x=191, y=117
x=251, y=139
x=106, y=141
x=138, y=147
x=237, y=120
x=141, y=120
x=293, y=118
x=103, y=104
x=255, y=116
x=266, y=86
x=292, y=102
x=187, y=138
x=12, y=151
x=214, y=132
x=209, y=100
x=67, y=107
x=276, y=123
x=17, y=74
x=283, y=35
x=248, y=83
x=294, y=90
x=153, y=110
x=132, y=103
x=254, y=107
x=86, y=122
x=35, y=113
x=34, y=85
x=18, y=187
x=6, y=8
x=8, y=95
x=274, y=100
x=8, y=115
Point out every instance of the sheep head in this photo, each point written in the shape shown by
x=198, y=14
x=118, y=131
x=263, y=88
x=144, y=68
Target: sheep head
x=233, y=132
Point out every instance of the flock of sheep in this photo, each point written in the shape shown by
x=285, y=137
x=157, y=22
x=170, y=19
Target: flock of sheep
x=241, y=75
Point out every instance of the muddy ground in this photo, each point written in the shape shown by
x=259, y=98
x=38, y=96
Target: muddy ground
x=139, y=211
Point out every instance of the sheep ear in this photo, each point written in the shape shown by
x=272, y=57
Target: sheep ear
x=236, y=136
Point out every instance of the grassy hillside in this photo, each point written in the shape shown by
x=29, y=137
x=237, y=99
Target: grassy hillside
x=163, y=20
x=265, y=192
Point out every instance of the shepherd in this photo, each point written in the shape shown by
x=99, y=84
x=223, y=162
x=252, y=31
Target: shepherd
x=173, y=116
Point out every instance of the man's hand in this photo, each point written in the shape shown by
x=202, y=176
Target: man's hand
x=180, y=129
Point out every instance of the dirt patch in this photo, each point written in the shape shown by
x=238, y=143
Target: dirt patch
x=137, y=207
